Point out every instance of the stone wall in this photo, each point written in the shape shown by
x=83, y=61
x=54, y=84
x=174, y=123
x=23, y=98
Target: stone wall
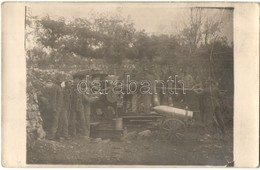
x=33, y=117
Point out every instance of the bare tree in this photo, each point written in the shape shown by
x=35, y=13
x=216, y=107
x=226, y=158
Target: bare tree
x=199, y=29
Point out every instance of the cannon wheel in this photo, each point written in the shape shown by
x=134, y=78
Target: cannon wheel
x=173, y=130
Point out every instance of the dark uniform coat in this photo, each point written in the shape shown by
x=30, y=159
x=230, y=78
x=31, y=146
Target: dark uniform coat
x=55, y=98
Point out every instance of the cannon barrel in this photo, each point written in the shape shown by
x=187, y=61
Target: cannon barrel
x=173, y=112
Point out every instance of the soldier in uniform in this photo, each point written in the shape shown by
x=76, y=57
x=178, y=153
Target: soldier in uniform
x=76, y=108
x=65, y=113
x=146, y=98
x=55, y=98
x=43, y=107
x=210, y=106
x=188, y=97
x=84, y=116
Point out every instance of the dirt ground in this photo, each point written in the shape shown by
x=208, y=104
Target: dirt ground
x=198, y=148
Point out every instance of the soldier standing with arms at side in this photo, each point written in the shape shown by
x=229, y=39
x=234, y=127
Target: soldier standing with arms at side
x=84, y=116
x=87, y=100
x=65, y=113
x=55, y=98
x=211, y=106
x=76, y=107
x=188, y=98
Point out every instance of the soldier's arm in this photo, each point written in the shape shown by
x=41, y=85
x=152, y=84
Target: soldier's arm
x=219, y=96
x=192, y=81
x=85, y=97
x=59, y=98
x=88, y=98
x=197, y=89
x=54, y=98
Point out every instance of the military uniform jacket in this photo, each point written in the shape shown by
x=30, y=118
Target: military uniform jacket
x=55, y=97
x=76, y=100
x=67, y=95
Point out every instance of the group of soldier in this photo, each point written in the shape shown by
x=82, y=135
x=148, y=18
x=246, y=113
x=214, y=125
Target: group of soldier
x=67, y=112
x=206, y=97
x=202, y=96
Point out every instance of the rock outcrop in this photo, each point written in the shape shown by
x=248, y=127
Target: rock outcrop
x=33, y=117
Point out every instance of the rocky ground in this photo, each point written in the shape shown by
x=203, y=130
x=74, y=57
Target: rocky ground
x=199, y=148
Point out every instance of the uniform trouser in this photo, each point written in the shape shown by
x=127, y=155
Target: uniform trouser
x=219, y=119
x=207, y=112
x=134, y=103
x=165, y=99
x=147, y=99
x=63, y=124
x=188, y=99
x=55, y=123
x=87, y=112
x=202, y=117
x=209, y=120
x=72, y=123
x=84, y=121
x=47, y=123
x=201, y=109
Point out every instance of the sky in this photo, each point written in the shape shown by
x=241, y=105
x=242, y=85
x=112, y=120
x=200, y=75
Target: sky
x=156, y=18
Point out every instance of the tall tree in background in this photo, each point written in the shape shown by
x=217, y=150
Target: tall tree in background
x=74, y=43
x=200, y=35
x=107, y=37
x=116, y=36
x=199, y=29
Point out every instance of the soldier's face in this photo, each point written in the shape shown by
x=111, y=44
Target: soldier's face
x=69, y=83
x=49, y=84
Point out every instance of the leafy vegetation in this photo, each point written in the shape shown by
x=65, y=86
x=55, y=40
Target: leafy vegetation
x=111, y=43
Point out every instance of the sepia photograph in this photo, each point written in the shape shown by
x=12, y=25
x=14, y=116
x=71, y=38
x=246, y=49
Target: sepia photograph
x=129, y=84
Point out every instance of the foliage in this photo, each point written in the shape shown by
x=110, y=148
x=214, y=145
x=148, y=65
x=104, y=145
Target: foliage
x=108, y=41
